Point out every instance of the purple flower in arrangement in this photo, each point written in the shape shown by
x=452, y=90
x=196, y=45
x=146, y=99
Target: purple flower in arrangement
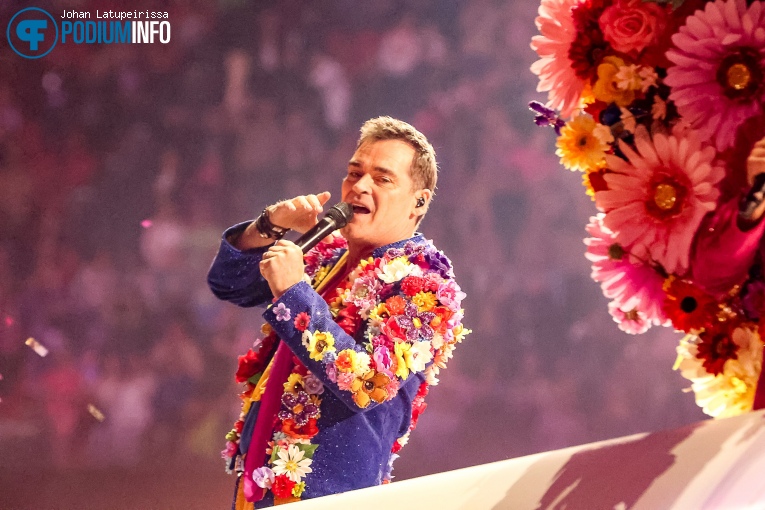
x=546, y=116
x=313, y=385
x=298, y=407
x=282, y=312
x=415, y=324
x=439, y=262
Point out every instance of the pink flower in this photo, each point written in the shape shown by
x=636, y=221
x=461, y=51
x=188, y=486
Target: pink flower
x=656, y=200
x=717, y=79
x=382, y=359
x=344, y=380
x=450, y=295
x=632, y=25
x=631, y=283
x=554, y=68
x=631, y=321
x=230, y=451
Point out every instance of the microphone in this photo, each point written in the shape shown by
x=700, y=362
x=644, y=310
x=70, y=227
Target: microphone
x=337, y=217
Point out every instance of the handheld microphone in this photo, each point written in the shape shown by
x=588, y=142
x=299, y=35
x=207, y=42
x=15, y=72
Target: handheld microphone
x=337, y=217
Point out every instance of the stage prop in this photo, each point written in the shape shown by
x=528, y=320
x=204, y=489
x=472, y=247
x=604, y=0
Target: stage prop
x=715, y=464
x=659, y=105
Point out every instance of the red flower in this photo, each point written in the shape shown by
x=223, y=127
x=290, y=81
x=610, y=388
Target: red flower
x=282, y=486
x=249, y=365
x=348, y=319
x=395, y=305
x=689, y=307
x=715, y=347
x=396, y=447
x=302, y=321
x=307, y=431
x=238, y=426
x=411, y=285
x=588, y=48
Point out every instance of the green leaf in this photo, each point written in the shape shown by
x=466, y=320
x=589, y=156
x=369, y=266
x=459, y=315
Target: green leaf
x=274, y=455
x=308, y=449
x=255, y=378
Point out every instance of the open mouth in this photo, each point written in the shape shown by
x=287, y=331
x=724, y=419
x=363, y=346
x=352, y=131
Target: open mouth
x=360, y=209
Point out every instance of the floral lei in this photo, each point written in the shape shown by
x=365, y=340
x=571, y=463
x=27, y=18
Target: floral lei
x=404, y=309
x=658, y=100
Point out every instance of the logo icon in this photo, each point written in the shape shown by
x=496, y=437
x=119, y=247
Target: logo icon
x=32, y=33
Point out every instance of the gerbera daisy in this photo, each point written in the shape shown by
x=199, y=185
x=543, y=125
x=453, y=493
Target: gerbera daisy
x=731, y=392
x=715, y=347
x=688, y=307
x=554, y=68
x=631, y=321
x=656, y=199
x=717, y=79
x=630, y=282
x=579, y=146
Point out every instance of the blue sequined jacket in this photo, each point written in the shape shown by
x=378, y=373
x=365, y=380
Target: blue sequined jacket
x=354, y=443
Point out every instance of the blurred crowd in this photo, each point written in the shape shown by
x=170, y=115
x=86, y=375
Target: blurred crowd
x=121, y=165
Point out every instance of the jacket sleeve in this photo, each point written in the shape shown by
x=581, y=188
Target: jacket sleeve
x=724, y=252
x=235, y=274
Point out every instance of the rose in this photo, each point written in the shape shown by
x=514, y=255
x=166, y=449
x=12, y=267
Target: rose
x=249, y=365
x=631, y=25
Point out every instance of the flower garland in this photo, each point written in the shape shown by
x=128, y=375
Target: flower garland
x=657, y=101
x=403, y=309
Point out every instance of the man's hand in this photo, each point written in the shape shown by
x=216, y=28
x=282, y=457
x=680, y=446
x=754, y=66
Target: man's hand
x=299, y=213
x=282, y=266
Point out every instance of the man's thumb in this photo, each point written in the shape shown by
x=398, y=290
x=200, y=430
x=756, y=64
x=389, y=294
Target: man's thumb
x=324, y=197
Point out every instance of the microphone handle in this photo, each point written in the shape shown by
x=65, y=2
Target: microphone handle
x=318, y=232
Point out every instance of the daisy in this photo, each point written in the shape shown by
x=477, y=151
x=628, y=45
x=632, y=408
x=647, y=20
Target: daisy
x=580, y=146
x=554, y=67
x=657, y=198
x=717, y=79
x=631, y=321
x=630, y=282
x=290, y=462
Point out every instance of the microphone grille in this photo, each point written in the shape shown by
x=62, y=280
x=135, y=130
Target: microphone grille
x=341, y=214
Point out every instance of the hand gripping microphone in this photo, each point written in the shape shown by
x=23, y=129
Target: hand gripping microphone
x=337, y=217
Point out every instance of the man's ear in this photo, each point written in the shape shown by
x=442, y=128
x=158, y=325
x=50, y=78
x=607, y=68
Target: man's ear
x=422, y=203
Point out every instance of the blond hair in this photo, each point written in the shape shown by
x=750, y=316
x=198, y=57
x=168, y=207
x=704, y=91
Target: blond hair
x=424, y=169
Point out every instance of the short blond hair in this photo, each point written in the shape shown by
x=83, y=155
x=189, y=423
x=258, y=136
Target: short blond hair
x=424, y=169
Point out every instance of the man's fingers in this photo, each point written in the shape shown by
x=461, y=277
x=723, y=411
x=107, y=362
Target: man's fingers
x=323, y=197
x=316, y=204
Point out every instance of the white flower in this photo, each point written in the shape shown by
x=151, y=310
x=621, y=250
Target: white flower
x=628, y=120
x=395, y=270
x=649, y=77
x=290, y=462
x=628, y=78
x=420, y=356
x=603, y=134
x=659, y=109
x=306, y=340
x=361, y=363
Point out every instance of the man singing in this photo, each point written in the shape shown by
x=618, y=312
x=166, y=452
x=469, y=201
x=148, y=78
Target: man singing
x=356, y=330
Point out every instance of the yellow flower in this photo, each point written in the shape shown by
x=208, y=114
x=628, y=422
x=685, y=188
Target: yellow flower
x=378, y=313
x=578, y=146
x=321, y=342
x=401, y=350
x=321, y=274
x=607, y=87
x=294, y=383
x=425, y=301
x=345, y=361
x=460, y=332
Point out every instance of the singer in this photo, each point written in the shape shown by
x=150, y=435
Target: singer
x=356, y=329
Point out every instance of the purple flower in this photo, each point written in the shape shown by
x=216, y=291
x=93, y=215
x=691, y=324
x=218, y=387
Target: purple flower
x=263, y=477
x=415, y=324
x=282, y=312
x=298, y=407
x=331, y=371
x=439, y=262
x=382, y=359
x=546, y=116
x=313, y=385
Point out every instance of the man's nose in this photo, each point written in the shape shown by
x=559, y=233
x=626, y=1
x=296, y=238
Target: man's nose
x=363, y=184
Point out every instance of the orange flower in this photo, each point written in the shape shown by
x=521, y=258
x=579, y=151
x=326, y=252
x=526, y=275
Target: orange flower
x=370, y=386
x=344, y=361
x=395, y=305
x=307, y=431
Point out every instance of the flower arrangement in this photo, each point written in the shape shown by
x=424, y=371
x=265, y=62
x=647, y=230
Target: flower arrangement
x=658, y=104
x=403, y=311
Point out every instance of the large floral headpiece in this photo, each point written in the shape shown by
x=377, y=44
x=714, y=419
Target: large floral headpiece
x=658, y=104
